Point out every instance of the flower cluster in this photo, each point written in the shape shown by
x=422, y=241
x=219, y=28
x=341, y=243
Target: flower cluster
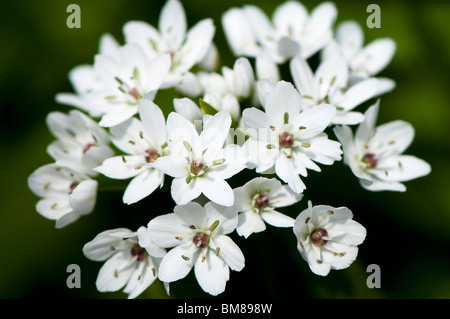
x=250, y=116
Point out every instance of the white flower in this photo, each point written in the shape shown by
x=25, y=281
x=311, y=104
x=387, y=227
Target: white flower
x=292, y=31
x=116, y=83
x=132, y=260
x=256, y=202
x=66, y=195
x=185, y=49
x=81, y=144
x=85, y=79
x=375, y=153
x=201, y=163
x=222, y=91
x=198, y=235
x=328, y=237
x=288, y=140
x=129, y=78
x=363, y=61
x=329, y=85
x=144, y=141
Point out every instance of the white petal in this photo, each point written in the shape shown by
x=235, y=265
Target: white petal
x=285, y=169
x=366, y=128
x=111, y=277
x=99, y=249
x=153, y=122
x=348, y=118
x=146, y=242
x=229, y=252
x=350, y=36
x=375, y=56
x=141, y=278
x=198, y=41
x=401, y=168
x=172, y=23
x=238, y=33
x=212, y=274
x=359, y=93
x=226, y=216
x=315, y=120
x=215, y=133
x=277, y=219
x=164, y=229
x=188, y=109
x=342, y=262
x=217, y=190
x=178, y=262
x=249, y=223
x=397, y=134
x=283, y=98
x=116, y=117
x=166, y=165
x=143, y=185
x=122, y=167
x=324, y=150
x=284, y=197
x=84, y=196
x=303, y=77
x=182, y=192
x=266, y=68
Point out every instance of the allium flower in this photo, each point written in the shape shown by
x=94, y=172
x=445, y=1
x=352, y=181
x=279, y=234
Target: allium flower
x=328, y=237
x=66, y=195
x=375, y=153
x=330, y=84
x=198, y=235
x=288, y=140
x=124, y=78
x=144, y=141
x=185, y=49
x=132, y=260
x=223, y=91
x=363, y=61
x=81, y=144
x=201, y=163
x=257, y=201
x=84, y=79
x=291, y=32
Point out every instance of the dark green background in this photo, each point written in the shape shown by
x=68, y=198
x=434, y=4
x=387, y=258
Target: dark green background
x=408, y=233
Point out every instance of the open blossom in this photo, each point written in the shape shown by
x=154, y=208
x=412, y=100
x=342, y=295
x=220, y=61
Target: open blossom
x=65, y=194
x=198, y=237
x=291, y=32
x=330, y=84
x=328, y=237
x=257, y=201
x=143, y=141
x=200, y=163
x=374, y=154
x=123, y=79
x=289, y=140
x=81, y=144
x=131, y=260
x=365, y=61
x=186, y=49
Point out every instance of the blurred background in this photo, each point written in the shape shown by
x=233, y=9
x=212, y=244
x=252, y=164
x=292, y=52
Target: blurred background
x=408, y=234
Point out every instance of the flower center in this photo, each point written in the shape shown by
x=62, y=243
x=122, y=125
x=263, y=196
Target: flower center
x=151, y=156
x=260, y=201
x=286, y=140
x=140, y=252
x=201, y=240
x=370, y=160
x=196, y=167
x=317, y=237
